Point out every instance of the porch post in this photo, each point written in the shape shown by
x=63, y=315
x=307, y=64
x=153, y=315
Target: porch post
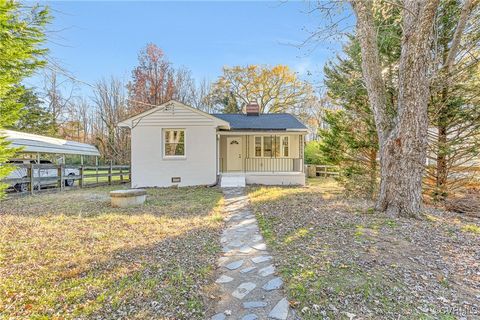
x=302, y=152
x=218, y=153
x=247, y=137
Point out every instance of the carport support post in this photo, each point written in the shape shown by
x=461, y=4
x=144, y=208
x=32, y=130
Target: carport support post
x=80, y=182
x=30, y=176
x=96, y=167
x=110, y=173
x=60, y=176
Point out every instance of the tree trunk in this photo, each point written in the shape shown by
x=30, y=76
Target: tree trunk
x=442, y=168
x=373, y=174
x=403, y=135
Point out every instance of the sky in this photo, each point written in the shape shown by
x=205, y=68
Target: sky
x=95, y=40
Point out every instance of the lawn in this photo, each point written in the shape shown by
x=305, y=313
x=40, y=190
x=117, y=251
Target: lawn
x=342, y=260
x=70, y=255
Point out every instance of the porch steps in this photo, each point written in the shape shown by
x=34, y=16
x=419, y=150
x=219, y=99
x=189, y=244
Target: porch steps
x=232, y=181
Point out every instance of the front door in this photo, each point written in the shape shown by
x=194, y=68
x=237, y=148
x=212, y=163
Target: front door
x=234, y=154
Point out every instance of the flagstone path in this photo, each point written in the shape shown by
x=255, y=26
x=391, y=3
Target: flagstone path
x=250, y=288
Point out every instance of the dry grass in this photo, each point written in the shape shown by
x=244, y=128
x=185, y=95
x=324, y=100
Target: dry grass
x=339, y=258
x=70, y=255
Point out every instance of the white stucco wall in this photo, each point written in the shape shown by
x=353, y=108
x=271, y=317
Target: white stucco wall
x=151, y=169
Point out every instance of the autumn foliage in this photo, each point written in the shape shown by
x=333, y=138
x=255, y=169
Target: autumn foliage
x=156, y=81
x=275, y=89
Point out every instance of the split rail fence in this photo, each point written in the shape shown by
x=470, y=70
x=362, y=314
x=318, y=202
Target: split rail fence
x=32, y=178
x=321, y=171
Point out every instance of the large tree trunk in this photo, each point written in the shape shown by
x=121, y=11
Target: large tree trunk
x=372, y=159
x=402, y=133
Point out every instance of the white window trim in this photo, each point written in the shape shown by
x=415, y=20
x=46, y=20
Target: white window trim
x=184, y=144
x=262, y=145
x=288, y=146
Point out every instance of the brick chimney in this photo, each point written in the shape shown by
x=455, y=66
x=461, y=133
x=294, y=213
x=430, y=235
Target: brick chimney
x=253, y=109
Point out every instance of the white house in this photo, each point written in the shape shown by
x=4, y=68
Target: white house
x=174, y=144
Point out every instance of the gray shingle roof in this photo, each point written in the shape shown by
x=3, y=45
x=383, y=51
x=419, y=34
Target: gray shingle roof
x=269, y=121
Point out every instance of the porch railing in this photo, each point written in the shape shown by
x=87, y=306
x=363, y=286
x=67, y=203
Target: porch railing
x=268, y=165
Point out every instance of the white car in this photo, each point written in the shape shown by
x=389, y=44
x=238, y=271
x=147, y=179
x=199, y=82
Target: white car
x=22, y=172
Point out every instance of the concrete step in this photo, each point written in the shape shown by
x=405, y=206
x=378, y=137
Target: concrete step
x=232, y=181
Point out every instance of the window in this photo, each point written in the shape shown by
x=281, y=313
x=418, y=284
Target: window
x=258, y=146
x=284, y=146
x=277, y=147
x=174, y=143
x=272, y=146
x=267, y=147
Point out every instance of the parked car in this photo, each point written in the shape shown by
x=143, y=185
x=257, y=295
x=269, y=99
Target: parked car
x=22, y=172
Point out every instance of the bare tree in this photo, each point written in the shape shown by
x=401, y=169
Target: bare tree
x=111, y=107
x=79, y=120
x=201, y=98
x=58, y=94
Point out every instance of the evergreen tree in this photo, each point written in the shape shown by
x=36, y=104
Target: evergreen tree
x=22, y=32
x=229, y=104
x=454, y=108
x=34, y=118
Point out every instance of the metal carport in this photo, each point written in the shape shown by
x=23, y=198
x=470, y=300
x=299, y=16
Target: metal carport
x=37, y=144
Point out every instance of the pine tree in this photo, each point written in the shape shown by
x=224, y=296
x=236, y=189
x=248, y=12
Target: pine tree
x=454, y=109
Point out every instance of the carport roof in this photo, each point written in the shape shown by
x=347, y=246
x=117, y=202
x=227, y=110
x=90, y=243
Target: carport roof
x=33, y=143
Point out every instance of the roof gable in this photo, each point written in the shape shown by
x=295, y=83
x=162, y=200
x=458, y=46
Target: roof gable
x=171, y=113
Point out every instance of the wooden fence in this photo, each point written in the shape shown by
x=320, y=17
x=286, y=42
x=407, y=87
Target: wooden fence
x=321, y=171
x=32, y=178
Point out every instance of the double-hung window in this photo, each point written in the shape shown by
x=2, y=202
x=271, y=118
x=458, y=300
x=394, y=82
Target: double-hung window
x=258, y=146
x=284, y=146
x=174, y=143
x=272, y=146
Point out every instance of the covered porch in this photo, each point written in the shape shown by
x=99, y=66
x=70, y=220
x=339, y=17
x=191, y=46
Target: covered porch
x=262, y=157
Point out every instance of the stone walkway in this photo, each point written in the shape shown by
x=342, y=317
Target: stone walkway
x=250, y=288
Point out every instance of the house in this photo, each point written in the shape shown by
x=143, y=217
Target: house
x=174, y=144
